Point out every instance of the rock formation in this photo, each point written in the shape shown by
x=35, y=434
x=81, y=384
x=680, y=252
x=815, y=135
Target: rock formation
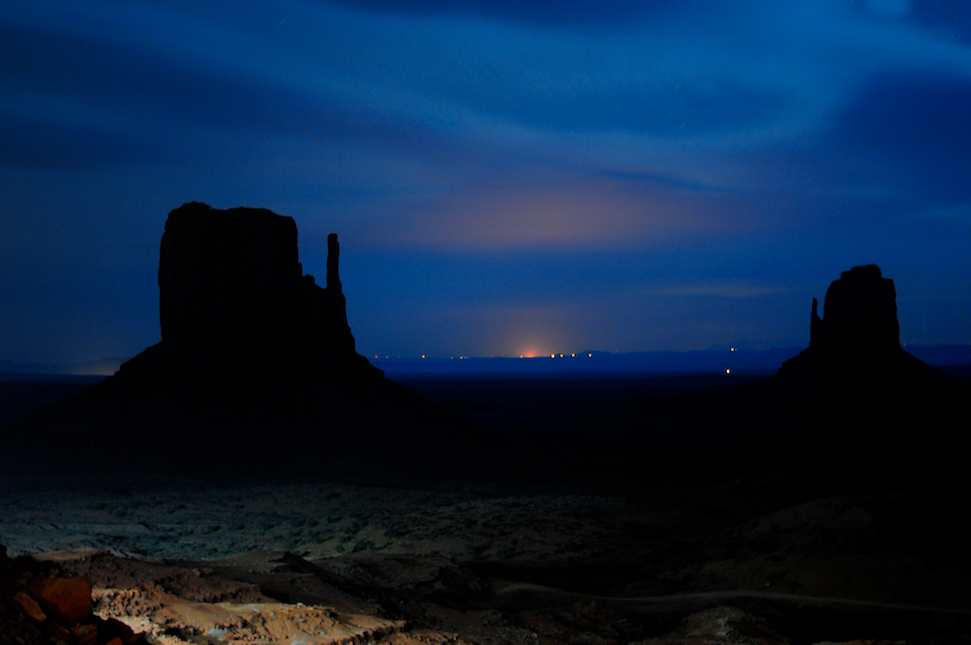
x=256, y=369
x=38, y=608
x=235, y=303
x=859, y=335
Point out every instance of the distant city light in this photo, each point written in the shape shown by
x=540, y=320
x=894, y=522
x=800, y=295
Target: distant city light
x=424, y=356
x=732, y=349
x=573, y=355
x=589, y=354
x=552, y=355
x=728, y=371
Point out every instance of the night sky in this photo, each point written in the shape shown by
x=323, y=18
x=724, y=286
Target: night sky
x=506, y=176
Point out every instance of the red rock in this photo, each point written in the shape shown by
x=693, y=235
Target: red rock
x=66, y=599
x=115, y=628
x=85, y=634
x=57, y=633
x=30, y=607
x=115, y=641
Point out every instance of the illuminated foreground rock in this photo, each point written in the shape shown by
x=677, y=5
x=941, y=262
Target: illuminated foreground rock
x=39, y=607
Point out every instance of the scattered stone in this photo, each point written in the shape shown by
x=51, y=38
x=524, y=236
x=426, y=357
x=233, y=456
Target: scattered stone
x=117, y=629
x=66, y=599
x=85, y=634
x=46, y=607
x=725, y=625
x=30, y=607
x=59, y=633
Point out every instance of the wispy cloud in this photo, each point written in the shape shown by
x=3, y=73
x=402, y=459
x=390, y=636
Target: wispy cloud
x=732, y=290
x=676, y=145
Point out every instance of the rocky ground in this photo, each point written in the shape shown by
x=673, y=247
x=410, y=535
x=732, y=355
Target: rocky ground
x=314, y=521
x=41, y=604
x=341, y=563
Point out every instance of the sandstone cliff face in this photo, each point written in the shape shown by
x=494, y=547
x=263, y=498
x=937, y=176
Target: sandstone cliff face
x=859, y=333
x=235, y=303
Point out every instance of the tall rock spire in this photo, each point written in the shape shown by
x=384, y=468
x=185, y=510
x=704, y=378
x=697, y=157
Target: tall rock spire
x=333, y=263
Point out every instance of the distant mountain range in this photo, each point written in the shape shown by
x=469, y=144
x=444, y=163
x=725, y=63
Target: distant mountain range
x=102, y=367
x=741, y=361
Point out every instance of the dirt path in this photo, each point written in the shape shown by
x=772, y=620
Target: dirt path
x=521, y=592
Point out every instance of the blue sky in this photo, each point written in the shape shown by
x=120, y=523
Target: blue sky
x=506, y=176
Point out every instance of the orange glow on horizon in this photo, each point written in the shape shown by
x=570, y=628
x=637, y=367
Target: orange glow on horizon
x=535, y=351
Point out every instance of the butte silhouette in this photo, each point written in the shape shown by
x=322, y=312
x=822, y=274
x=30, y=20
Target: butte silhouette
x=256, y=364
x=856, y=345
x=237, y=309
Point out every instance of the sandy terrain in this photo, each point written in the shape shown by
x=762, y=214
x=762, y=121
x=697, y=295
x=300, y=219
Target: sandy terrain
x=325, y=549
x=312, y=521
x=341, y=563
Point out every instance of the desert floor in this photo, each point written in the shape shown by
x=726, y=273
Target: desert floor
x=331, y=562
